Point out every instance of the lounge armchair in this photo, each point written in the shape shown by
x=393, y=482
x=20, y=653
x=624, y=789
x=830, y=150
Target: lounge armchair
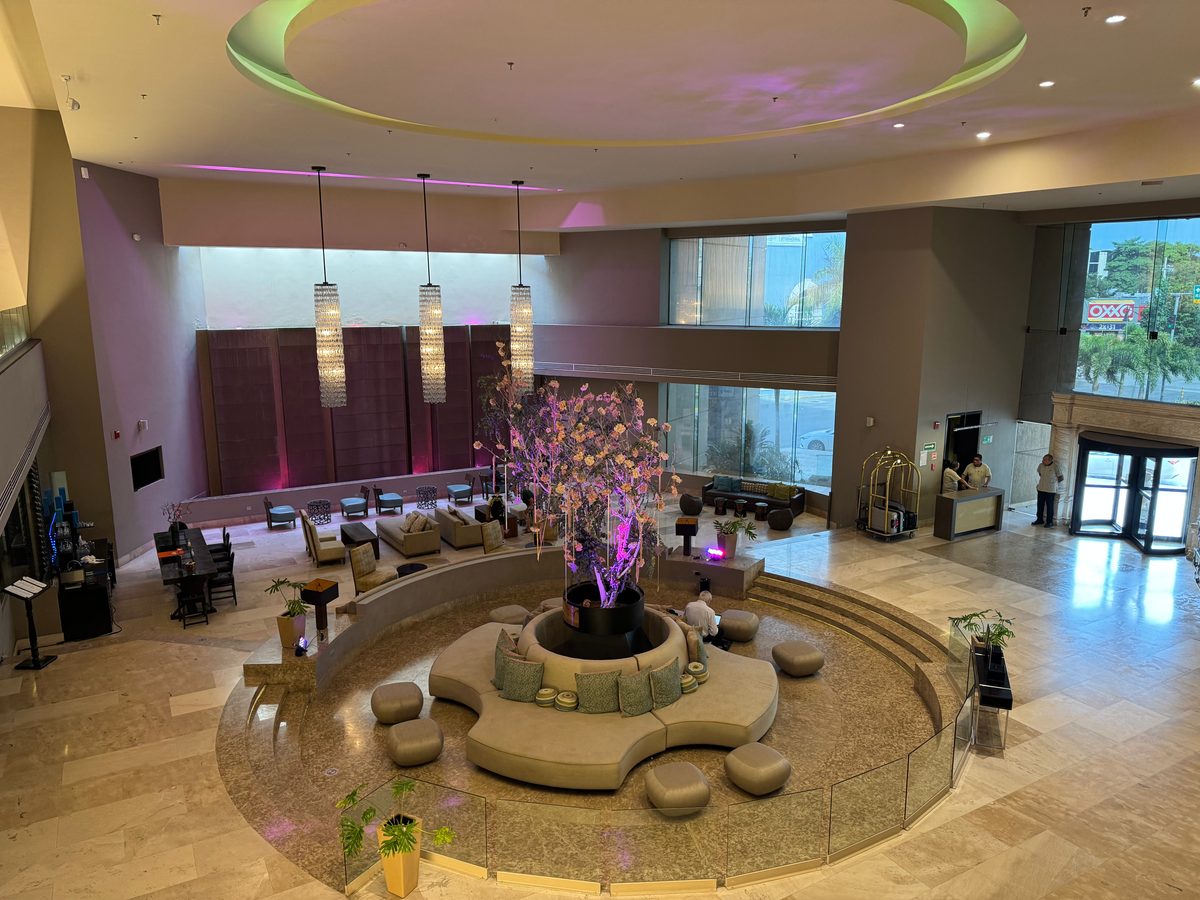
x=322, y=550
x=459, y=493
x=457, y=530
x=366, y=576
x=278, y=515
x=390, y=502
x=356, y=506
x=428, y=539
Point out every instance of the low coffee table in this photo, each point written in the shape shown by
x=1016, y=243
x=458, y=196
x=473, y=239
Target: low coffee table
x=355, y=533
x=410, y=569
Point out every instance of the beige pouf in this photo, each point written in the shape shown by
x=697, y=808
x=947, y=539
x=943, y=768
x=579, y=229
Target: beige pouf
x=797, y=658
x=508, y=615
x=757, y=769
x=677, y=789
x=739, y=625
x=415, y=742
x=398, y=702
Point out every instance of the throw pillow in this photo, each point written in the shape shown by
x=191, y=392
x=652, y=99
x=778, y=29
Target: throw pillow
x=664, y=682
x=460, y=518
x=775, y=490
x=735, y=485
x=493, y=536
x=504, y=644
x=406, y=523
x=635, y=695
x=693, y=642
x=722, y=483
x=598, y=692
x=522, y=680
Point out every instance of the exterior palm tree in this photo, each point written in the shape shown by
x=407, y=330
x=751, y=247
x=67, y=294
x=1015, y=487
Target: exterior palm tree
x=1095, y=357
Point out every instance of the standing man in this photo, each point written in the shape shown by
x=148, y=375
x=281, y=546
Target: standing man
x=951, y=479
x=977, y=474
x=1049, y=477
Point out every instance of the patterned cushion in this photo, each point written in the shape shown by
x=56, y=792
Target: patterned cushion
x=664, y=681
x=406, y=524
x=695, y=643
x=504, y=644
x=754, y=487
x=522, y=680
x=493, y=536
x=722, y=483
x=598, y=692
x=635, y=694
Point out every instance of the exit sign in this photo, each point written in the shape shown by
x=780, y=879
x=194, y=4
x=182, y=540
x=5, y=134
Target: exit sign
x=987, y=438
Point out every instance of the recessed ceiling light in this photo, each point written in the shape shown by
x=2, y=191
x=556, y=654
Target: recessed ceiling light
x=1196, y=82
x=1113, y=20
x=898, y=125
x=984, y=135
x=1045, y=84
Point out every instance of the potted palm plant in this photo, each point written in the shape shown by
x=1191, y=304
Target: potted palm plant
x=399, y=837
x=986, y=627
x=727, y=535
x=293, y=622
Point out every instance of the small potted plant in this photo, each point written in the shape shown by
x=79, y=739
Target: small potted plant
x=293, y=621
x=175, y=513
x=399, y=837
x=727, y=535
x=987, y=627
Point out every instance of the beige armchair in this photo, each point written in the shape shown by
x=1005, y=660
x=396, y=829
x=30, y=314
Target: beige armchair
x=323, y=548
x=457, y=530
x=410, y=543
x=366, y=576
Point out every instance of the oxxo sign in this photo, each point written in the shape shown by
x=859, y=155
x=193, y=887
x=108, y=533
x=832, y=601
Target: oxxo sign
x=1110, y=311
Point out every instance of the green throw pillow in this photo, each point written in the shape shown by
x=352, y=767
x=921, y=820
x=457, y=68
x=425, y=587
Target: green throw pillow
x=504, y=641
x=735, y=485
x=598, y=692
x=664, y=682
x=522, y=680
x=722, y=483
x=636, y=697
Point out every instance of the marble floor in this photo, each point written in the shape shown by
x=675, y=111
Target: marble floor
x=109, y=787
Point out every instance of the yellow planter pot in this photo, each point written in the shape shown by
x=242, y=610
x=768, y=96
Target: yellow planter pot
x=401, y=870
x=290, y=630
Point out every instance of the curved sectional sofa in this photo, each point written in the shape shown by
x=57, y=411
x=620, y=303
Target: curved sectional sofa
x=735, y=706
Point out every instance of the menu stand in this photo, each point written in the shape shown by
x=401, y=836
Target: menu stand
x=27, y=589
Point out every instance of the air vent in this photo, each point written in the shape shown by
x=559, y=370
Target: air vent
x=1149, y=183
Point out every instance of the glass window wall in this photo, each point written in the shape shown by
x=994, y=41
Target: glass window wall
x=761, y=433
x=758, y=281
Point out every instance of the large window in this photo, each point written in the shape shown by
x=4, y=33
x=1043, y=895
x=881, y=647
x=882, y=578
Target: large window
x=763, y=281
x=773, y=435
x=1141, y=318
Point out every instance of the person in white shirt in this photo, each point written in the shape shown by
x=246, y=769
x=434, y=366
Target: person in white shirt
x=977, y=474
x=951, y=479
x=700, y=615
x=1049, y=478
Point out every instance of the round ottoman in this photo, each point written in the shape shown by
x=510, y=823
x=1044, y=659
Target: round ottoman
x=690, y=506
x=757, y=769
x=677, y=789
x=508, y=615
x=780, y=519
x=415, y=742
x=398, y=702
x=797, y=658
x=739, y=625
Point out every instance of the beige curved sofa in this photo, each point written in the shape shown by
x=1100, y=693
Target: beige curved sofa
x=595, y=752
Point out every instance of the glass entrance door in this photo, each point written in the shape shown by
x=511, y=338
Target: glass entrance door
x=1104, y=497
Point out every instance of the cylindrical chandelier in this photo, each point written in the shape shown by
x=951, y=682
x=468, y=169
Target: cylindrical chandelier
x=520, y=316
x=331, y=356
x=433, y=345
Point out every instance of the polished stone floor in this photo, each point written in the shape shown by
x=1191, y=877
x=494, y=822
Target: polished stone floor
x=109, y=787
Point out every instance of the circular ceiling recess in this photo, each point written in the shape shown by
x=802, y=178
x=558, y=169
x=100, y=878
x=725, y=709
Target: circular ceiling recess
x=624, y=73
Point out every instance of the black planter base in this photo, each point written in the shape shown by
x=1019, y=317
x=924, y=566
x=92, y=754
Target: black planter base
x=596, y=632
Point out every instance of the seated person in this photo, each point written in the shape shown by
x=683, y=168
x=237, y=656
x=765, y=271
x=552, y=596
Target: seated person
x=700, y=615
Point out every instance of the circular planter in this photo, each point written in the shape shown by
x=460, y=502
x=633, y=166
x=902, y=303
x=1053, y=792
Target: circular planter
x=583, y=612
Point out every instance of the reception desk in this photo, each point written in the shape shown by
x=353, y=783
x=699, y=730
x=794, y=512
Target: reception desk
x=966, y=512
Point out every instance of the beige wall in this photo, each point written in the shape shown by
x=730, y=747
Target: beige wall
x=59, y=316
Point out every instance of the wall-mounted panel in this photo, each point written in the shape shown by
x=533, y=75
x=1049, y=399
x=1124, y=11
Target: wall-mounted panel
x=420, y=417
x=455, y=433
x=304, y=420
x=485, y=360
x=370, y=433
x=243, y=379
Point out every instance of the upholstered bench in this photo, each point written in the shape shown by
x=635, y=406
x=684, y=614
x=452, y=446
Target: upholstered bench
x=797, y=658
x=757, y=769
x=739, y=625
x=397, y=702
x=677, y=789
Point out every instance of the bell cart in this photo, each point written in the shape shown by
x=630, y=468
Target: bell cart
x=888, y=495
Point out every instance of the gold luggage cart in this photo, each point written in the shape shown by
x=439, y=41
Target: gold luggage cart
x=888, y=494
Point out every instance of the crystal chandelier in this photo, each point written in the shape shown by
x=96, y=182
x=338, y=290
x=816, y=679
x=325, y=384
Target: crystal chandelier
x=520, y=315
x=331, y=357
x=433, y=346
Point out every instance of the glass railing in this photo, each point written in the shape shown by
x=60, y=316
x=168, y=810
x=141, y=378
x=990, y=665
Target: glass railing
x=14, y=328
x=739, y=844
x=958, y=660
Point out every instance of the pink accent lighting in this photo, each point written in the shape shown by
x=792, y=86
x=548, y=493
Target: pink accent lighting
x=482, y=184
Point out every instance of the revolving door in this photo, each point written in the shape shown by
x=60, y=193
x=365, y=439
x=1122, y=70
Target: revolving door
x=1134, y=489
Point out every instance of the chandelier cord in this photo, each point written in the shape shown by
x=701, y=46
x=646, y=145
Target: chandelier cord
x=425, y=204
x=321, y=208
x=520, y=280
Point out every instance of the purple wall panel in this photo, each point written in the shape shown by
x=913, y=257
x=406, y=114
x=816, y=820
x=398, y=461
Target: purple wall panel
x=243, y=377
x=485, y=360
x=370, y=433
x=420, y=423
x=303, y=417
x=455, y=433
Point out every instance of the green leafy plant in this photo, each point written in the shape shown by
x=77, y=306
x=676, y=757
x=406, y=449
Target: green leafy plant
x=400, y=831
x=736, y=525
x=295, y=607
x=976, y=624
x=350, y=828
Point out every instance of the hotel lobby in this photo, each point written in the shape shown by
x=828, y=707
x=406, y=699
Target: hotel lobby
x=547, y=450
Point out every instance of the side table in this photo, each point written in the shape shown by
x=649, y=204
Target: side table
x=739, y=508
x=719, y=505
x=426, y=496
x=320, y=512
x=760, y=511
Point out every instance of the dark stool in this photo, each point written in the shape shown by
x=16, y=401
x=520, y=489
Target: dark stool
x=760, y=511
x=739, y=508
x=719, y=505
x=320, y=512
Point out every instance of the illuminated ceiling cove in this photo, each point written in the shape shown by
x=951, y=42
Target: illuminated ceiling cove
x=993, y=40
